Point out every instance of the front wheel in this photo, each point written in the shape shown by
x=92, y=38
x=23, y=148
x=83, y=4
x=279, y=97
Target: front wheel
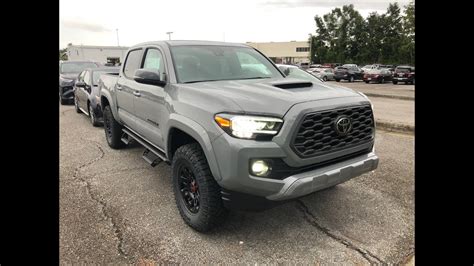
x=196, y=193
x=113, y=130
x=382, y=80
x=351, y=79
x=367, y=81
x=395, y=82
x=325, y=78
x=338, y=80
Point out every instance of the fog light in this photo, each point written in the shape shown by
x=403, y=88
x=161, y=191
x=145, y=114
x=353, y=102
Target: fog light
x=260, y=168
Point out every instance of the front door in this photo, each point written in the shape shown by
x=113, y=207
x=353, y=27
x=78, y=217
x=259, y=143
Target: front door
x=150, y=107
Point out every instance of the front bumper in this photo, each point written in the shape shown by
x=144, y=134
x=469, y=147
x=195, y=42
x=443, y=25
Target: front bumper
x=306, y=183
x=234, y=156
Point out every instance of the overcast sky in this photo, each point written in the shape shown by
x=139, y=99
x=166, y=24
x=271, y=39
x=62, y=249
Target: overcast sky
x=94, y=22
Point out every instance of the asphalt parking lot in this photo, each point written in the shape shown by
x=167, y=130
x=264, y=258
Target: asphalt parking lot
x=115, y=208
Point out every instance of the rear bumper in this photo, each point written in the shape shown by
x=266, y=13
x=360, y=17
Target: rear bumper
x=66, y=92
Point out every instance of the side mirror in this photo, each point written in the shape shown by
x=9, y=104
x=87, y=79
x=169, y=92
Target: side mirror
x=147, y=76
x=80, y=84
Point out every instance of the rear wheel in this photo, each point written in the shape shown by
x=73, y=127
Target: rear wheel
x=395, y=82
x=351, y=79
x=382, y=80
x=413, y=82
x=325, y=78
x=338, y=80
x=92, y=116
x=367, y=81
x=197, y=194
x=113, y=130
x=63, y=101
x=76, y=106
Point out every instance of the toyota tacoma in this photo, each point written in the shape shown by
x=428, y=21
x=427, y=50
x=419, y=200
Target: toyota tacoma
x=237, y=133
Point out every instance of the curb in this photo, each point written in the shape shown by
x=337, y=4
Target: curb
x=390, y=96
x=394, y=127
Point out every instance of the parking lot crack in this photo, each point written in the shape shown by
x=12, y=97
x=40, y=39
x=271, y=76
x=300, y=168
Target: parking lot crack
x=103, y=205
x=311, y=219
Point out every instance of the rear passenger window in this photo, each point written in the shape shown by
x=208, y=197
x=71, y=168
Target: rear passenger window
x=132, y=63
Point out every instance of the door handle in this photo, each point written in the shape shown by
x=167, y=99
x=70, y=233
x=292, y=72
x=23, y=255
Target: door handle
x=137, y=93
x=119, y=87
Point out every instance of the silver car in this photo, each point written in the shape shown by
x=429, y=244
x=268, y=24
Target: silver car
x=323, y=73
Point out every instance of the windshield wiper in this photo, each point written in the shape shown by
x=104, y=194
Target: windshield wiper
x=257, y=78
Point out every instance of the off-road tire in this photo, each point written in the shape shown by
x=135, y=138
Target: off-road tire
x=112, y=129
x=211, y=210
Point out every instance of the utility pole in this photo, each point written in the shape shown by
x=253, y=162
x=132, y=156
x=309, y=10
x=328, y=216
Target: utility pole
x=118, y=44
x=169, y=34
x=310, y=47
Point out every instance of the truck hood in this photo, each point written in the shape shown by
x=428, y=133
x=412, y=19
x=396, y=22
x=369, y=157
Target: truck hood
x=270, y=96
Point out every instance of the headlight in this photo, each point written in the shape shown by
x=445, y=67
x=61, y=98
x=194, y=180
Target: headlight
x=248, y=127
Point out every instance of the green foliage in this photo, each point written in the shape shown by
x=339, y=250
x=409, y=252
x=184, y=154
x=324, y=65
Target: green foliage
x=344, y=36
x=63, y=54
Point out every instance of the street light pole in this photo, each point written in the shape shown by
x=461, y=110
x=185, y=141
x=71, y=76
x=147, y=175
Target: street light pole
x=169, y=34
x=310, y=48
x=118, y=44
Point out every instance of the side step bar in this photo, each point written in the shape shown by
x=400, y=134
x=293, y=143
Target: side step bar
x=151, y=155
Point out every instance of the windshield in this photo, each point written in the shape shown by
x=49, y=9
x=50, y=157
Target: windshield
x=76, y=67
x=293, y=72
x=212, y=63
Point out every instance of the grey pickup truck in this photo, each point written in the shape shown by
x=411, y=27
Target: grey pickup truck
x=237, y=133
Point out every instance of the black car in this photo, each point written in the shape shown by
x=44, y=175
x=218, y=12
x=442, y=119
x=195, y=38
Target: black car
x=86, y=92
x=348, y=72
x=404, y=74
x=68, y=72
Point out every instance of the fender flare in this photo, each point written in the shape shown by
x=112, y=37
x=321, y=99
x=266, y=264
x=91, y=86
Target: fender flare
x=107, y=95
x=196, y=131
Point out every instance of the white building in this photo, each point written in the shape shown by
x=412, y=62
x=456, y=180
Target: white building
x=101, y=54
x=284, y=52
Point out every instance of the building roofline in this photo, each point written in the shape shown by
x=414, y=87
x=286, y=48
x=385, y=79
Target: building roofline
x=98, y=46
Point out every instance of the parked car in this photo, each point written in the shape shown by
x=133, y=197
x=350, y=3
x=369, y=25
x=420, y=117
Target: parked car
x=324, y=73
x=404, y=74
x=315, y=66
x=86, y=93
x=331, y=65
x=368, y=67
x=303, y=65
x=348, y=72
x=237, y=137
x=389, y=67
x=377, y=75
x=68, y=73
x=297, y=73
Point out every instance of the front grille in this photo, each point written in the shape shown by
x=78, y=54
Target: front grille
x=316, y=134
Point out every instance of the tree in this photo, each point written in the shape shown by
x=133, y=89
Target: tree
x=63, y=54
x=344, y=36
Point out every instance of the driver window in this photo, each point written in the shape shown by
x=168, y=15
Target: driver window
x=87, y=78
x=154, y=61
x=81, y=76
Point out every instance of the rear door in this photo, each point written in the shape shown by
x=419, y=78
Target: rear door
x=125, y=88
x=150, y=105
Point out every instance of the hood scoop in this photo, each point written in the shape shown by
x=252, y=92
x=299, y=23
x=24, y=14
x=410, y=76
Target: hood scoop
x=291, y=84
